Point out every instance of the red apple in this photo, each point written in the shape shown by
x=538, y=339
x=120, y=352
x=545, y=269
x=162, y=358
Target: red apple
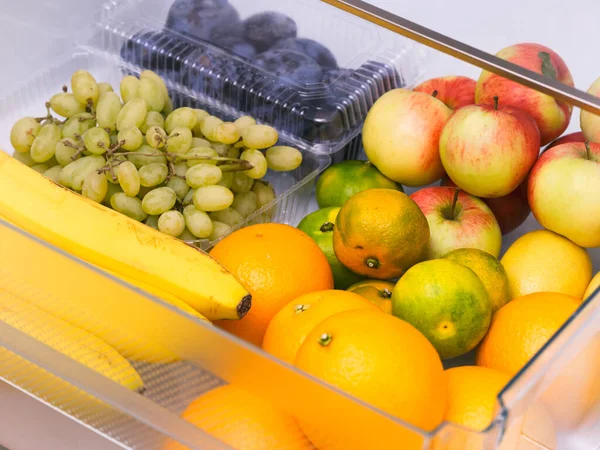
x=488, y=150
x=454, y=91
x=564, y=192
x=510, y=211
x=457, y=220
x=573, y=137
x=401, y=136
x=590, y=123
x=552, y=116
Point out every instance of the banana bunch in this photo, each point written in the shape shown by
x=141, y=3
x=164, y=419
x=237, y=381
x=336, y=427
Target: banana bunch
x=158, y=264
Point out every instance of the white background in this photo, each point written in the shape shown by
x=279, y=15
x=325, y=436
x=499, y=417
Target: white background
x=31, y=31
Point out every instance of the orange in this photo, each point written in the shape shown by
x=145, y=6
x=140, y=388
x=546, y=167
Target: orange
x=294, y=321
x=276, y=263
x=383, y=361
x=243, y=421
x=376, y=291
x=520, y=328
x=380, y=233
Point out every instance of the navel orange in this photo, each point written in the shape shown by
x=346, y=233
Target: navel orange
x=243, y=421
x=380, y=233
x=276, y=263
x=383, y=361
x=522, y=327
x=288, y=329
x=377, y=291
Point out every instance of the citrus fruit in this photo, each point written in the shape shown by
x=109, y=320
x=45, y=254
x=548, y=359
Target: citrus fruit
x=488, y=269
x=381, y=360
x=472, y=395
x=594, y=284
x=261, y=259
x=520, y=328
x=543, y=261
x=341, y=181
x=243, y=421
x=377, y=291
x=288, y=329
x=380, y=233
x=319, y=225
x=447, y=302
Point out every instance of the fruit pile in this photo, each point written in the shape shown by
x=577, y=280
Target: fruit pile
x=182, y=171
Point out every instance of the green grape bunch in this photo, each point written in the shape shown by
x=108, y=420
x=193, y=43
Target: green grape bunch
x=182, y=171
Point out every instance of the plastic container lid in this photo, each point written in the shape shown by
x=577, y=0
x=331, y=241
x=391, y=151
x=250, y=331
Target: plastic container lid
x=277, y=61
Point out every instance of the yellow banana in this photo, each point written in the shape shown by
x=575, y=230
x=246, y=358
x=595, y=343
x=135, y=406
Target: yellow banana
x=69, y=340
x=115, y=242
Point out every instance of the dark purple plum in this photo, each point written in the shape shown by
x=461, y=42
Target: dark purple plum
x=265, y=29
x=236, y=45
x=202, y=19
x=290, y=65
x=321, y=54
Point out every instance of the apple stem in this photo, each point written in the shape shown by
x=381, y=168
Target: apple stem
x=434, y=94
x=454, y=200
x=326, y=227
x=496, y=102
x=587, y=150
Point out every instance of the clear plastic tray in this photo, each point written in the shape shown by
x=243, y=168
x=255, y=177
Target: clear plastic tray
x=319, y=104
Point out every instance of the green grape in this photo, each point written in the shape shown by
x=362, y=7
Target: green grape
x=153, y=119
x=144, y=191
x=213, y=198
x=84, y=166
x=200, y=116
x=227, y=216
x=153, y=174
x=77, y=125
x=84, y=87
x=25, y=158
x=245, y=203
x=96, y=141
x=65, y=151
x=244, y=122
x=199, y=142
x=171, y=223
x=40, y=168
x=264, y=193
x=202, y=153
x=152, y=222
x=221, y=149
x=168, y=109
x=140, y=156
x=209, y=127
x=226, y=179
x=227, y=133
x=159, y=200
x=53, y=173
x=258, y=161
x=44, y=144
x=23, y=133
x=283, y=158
x=189, y=197
x=233, y=153
x=182, y=117
x=180, y=169
x=107, y=111
x=66, y=105
x=112, y=190
x=197, y=222
x=150, y=92
x=149, y=74
x=129, y=178
x=130, y=138
x=132, y=114
x=66, y=173
x=179, y=186
x=220, y=230
x=187, y=237
x=103, y=88
x=95, y=186
x=180, y=140
x=129, y=87
x=259, y=136
x=129, y=206
x=203, y=175
x=52, y=162
x=156, y=137
x=241, y=183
